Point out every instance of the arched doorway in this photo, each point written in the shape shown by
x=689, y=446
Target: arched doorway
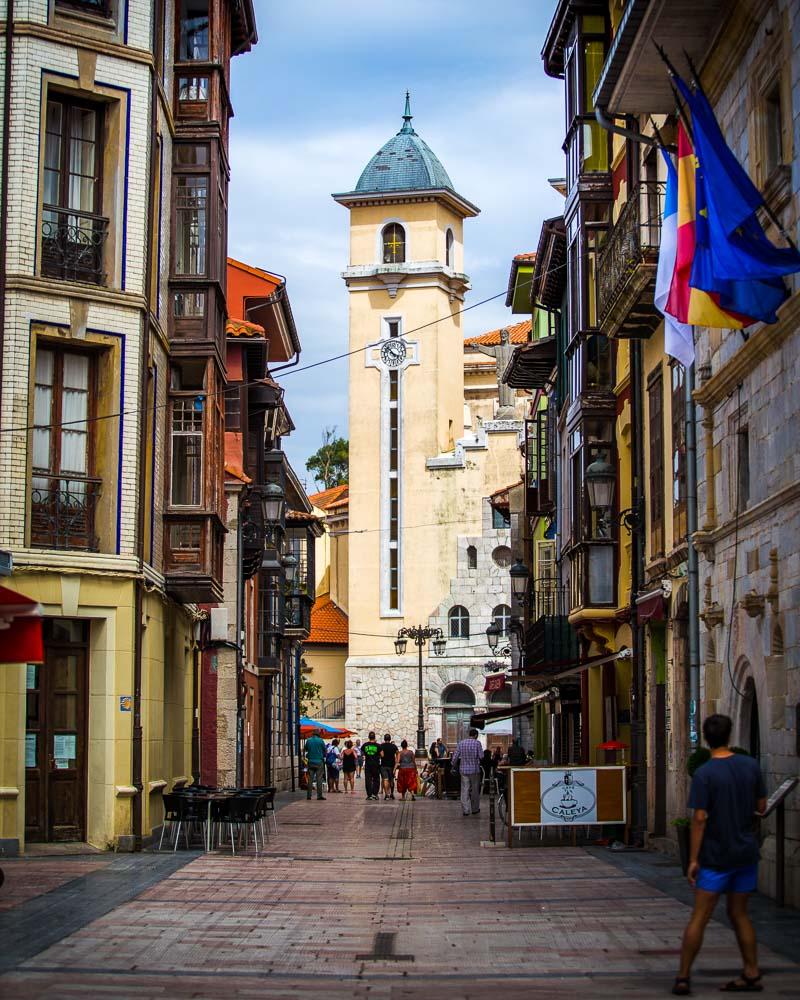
x=458, y=704
x=751, y=729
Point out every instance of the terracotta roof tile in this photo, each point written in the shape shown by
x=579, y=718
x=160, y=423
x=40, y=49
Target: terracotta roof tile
x=327, y=498
x=329, y=624
x=519, y=334
x=241, y=328
x=530, y=256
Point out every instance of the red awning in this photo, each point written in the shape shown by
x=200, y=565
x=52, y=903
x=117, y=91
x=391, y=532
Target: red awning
x=20, y=628
x=651, y=607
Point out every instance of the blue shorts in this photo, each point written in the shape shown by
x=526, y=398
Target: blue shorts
x=728, y=879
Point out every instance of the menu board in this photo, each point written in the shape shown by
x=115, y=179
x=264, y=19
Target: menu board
x=568, y=796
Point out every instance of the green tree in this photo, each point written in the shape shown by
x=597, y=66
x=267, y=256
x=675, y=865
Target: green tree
x=309, y=693
x=329, y=465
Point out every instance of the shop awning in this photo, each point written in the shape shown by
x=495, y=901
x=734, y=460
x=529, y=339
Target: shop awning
x=480, y=719
x=532, y=364
x=20, y=628
x=651, y=607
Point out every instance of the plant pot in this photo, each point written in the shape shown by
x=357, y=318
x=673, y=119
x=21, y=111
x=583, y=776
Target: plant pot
x=683, y=833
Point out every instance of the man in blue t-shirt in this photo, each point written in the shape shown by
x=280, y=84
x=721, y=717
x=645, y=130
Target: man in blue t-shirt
x=726, y=793
x=315, y=758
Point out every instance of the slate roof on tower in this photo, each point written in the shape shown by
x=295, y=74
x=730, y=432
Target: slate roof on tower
x=406, y=163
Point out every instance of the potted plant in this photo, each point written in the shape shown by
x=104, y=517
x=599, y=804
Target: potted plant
x=682, y=829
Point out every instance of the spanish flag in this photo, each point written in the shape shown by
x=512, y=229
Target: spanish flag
x=687, y=304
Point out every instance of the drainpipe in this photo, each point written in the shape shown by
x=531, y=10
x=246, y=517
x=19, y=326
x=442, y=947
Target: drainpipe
x=137, y=810
x=639, y=685
x=4, y=181
x=646, y=140
x=693, y=574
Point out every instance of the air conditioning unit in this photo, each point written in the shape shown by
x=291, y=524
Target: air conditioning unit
x=218, y=624
x=6, y=563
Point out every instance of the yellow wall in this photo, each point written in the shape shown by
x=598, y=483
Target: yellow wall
x=166, y=701
x=425, y=224
x=326, y=668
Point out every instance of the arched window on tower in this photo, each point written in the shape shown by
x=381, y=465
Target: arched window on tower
x=394, y=244
x=472, y=557
x=501, y=616
x=448, y=248
x=459, y=622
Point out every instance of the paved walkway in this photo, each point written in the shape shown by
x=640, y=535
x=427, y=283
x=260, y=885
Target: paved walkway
x=371, y=900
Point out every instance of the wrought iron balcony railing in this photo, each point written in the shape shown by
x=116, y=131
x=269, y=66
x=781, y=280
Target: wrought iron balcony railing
x=72, y=245
x=550, y=641
x=626, y=268
x=63, y=513
x=332, y=708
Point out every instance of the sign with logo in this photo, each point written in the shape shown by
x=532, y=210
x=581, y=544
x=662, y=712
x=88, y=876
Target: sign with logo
x=568, y=796
x=125, y=703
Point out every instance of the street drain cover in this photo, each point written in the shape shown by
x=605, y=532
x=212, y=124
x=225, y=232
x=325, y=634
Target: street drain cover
x=383, y=950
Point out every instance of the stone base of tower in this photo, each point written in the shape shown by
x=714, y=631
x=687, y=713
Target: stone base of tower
x=382, y=695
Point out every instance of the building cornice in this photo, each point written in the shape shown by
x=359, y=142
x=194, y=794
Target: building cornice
x=759, y=346
x=705, y=541
x=61, y=36
x=74, y=290
x=357, y=199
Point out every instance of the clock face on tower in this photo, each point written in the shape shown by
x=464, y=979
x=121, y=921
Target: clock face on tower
x=393, y=352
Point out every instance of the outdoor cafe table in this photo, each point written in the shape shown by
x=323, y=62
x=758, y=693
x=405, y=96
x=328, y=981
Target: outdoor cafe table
x=209, y=798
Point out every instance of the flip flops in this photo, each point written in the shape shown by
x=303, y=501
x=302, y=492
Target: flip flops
x=743, y=984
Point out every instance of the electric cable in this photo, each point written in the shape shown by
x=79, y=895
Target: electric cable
x=201, y=394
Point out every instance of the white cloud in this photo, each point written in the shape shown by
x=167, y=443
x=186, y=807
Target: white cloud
x=498, y=134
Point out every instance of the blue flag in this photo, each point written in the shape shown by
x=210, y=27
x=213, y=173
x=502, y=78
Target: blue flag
x=734, y=246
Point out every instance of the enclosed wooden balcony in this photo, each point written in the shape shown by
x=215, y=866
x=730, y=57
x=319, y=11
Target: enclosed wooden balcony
x=550, y=641
x=627, y=266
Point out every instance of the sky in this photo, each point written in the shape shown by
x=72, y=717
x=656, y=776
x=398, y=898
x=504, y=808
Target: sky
x=317, y=97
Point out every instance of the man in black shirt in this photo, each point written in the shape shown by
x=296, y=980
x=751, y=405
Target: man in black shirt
x=372, y=767
x=388, y=758
x=726, y=793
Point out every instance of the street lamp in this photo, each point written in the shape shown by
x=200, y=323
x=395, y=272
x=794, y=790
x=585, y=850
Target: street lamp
x=520, y=574
x=601, y=480
x=493, y=633
x=273, y=499
x=419, y=635
x=289, y=563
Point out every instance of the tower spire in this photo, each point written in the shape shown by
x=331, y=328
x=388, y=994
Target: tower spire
x=407, y=116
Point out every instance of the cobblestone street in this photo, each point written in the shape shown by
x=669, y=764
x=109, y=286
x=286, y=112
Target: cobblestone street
x=363, y=899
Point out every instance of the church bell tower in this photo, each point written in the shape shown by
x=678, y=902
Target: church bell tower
x=406, y=285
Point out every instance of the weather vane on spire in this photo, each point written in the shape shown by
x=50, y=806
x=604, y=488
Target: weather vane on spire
x=407, y=116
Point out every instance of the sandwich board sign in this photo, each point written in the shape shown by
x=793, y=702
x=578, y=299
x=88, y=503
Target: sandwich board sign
x=567, y=796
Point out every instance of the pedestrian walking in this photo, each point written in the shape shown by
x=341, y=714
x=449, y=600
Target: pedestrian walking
x=486, y=768
x=360, y=755
x=334, y=763
x=372, y=767
x=406, y=771
x=388, y=759
x=468, y=755
x=726, y=794
x=315, y=761
x=349, y=761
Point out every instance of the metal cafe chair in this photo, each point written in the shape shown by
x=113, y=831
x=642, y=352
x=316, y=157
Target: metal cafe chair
x=180, y=812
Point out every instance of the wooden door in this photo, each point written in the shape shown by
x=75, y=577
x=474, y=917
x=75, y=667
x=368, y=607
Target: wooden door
x=56, y=735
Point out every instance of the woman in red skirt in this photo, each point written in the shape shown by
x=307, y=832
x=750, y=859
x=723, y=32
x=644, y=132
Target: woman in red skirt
x=406, y=771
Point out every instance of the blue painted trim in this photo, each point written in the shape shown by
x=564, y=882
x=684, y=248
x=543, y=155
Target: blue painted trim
x=125, y=23
x=160, y=218
x=111, y=86
x=122, y=339
x=153, y=471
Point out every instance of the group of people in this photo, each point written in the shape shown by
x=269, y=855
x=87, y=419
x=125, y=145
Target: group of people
x=384, y=765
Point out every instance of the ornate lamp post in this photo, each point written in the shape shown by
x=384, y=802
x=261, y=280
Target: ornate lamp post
x=419, y=635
